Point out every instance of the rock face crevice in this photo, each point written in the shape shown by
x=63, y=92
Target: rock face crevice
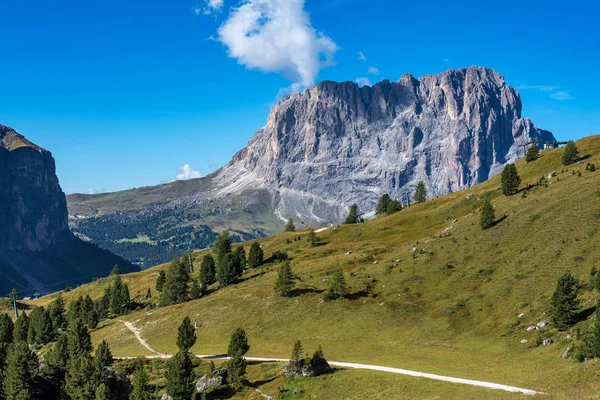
x=37, y=249
x=345, y=144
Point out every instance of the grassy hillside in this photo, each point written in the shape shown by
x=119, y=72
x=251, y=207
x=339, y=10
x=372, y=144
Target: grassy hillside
x=449, y=308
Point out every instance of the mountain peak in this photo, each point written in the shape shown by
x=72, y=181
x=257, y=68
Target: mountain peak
x=11, y=140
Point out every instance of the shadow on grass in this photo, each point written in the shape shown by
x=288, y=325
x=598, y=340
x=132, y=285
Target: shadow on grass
x=258, y=384
x=499, y=220
x=585, y=313
x=585, y=157
x=301, y=291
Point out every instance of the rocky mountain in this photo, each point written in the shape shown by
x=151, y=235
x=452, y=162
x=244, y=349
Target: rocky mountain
x=37, y=250
x=336, y=144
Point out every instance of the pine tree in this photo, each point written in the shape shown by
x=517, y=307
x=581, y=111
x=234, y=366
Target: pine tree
x=175, y=289
x=236, y=366
x=318, y=364
x=570, y=153
x=103, y=359
x=6, y=329
x=186, y=335
x=592, y=168
x=382, y=204
x=160, y=281
x=564, y=304
x=297, y=351
x=21, y=364
x=592, y=340
x=119, y=297
x=78, y=339
x=312, y=237
x=393, y=207
x=420, y=192
x=89, y=315
x=74, y=311
x=195, y=290
x=40, y=326
x=141, y=385
x=81, y=380
x=337, y=286
x=115, y=270
x=238, y=345
x=353, y=216
x=510, y=180
x=532, y=153
x=207, y=272
x=57, y=358
x=21, y=328
x=284, y=285
x=180, y=377
x=290, y=227
x=486, y=220
x=102, y=392
x=240, y=255
x=227, y=271
x=57, y=313
x=222, y=246
x=255, y=256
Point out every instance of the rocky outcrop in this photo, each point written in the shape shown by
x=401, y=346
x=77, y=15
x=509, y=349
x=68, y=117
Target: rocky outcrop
x=37, y=250
x=337, y=143
x=213, y=380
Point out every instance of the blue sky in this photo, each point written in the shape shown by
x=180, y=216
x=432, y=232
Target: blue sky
x=125, y=93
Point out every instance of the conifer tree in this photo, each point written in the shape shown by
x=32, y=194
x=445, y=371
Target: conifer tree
x=236, y=366
x=238, y=345
x=103, y=359
x=21, y=364
x=510, y=180
x=592, y=168
x=116, y=270
x=532, y=153
x=393, y=207
x=160, y=281
x=74, y=311
x=564, y=304
x=175, y=289
x=312, y=237
x=6, y=329
x=337, y=286
x=353, y=216
x=297, y=351
x=592, y=340
x=240, y=255
x=195, y=290
x=420, y=192
x=57, y=358
x=486, y=220
x=186, y=335
x=227, y=270
x=222, y=246
x=102, y=392
x=570, y=153
x=207, y=272
x=318, y=364
x=89, y=315
x=141, y=385
x=57, y=313
x=81, y=380
x=21, y=328
x=180, y=377
x=40, y=326
x=289, y=226
x=119, y=297
x=382, y=204
x=284, y=285
x=78, y=339
x=255, y=256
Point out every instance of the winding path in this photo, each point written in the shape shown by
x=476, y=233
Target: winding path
x=488, y=385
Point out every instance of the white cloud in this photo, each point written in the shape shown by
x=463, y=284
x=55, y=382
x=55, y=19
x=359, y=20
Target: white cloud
x=373, y=71
x=363, y=82
x=361, y=56
x=562, y=95
x=277, y=36
x=541, y=88
x=212, y=6
x=91, y=191
x=187, y=172
x=445, y=60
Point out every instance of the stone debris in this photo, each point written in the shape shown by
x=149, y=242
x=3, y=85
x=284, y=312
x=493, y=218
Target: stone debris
x=567, y=351
x=542, y=324
x=524, y=341
x=547, y=342
x=521, y=315
x=469, y=196
x=531, y=328
x=217, y=378
x=348, y=252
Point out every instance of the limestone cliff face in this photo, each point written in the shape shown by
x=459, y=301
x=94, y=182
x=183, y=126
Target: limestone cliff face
x=338, y=143
x=37, y=250
x=33, y=208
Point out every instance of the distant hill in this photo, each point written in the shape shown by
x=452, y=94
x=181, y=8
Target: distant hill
x=321, y=150
x=37, y=250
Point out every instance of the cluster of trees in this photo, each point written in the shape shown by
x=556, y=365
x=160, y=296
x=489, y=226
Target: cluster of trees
x=178, y=285
x=68, y=368
x=387, y=206
x=316, y=365
x=532, y=153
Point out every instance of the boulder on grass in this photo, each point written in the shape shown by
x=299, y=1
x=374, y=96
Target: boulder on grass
x=217, y=378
